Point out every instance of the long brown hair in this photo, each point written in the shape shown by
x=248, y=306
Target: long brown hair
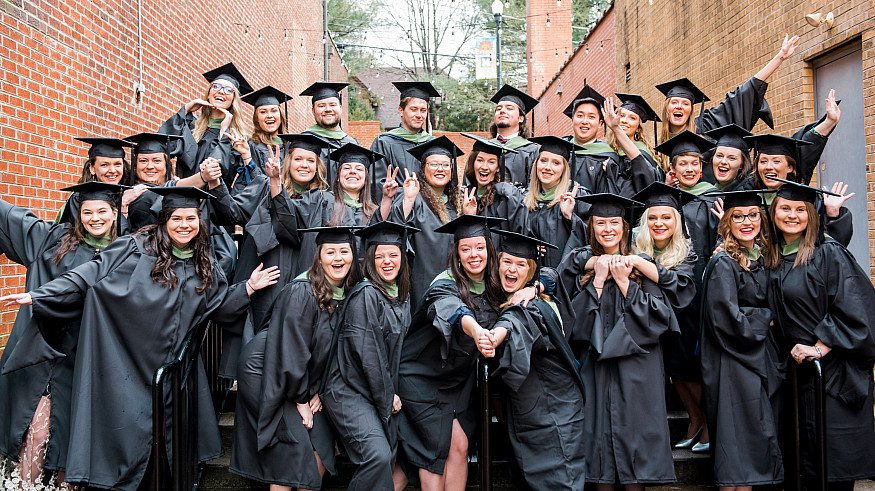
x=733, y=248
x=319, y=282
x=319, y=180
x=599, y=250
x=158, y=242
x=494, y=293
x=368, y=206
x=489, y=191
x=87, y=176
x=665, y=132
x=75, y=236
x=809, y=238
x=259, y=135
x=402, y=281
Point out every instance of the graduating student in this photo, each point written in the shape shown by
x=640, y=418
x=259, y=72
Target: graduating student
x=636, y=167
x=327, y=104
x=429, y=200
x=413, y=130
x=620, y=317
x=744, y=106
x=509, y=129
x=269, y=120
x=106, y=163
x=439, y=355
x=740, y=377
x=210, y=135
x=588, y=164
x=495, y=198
x=823, y=304
x=730, y=160
x=35, y=397
x=361, y=389
x=534, y=361
x=553, y=213
x=664, y=235
x=281, y=435
x=138, y=300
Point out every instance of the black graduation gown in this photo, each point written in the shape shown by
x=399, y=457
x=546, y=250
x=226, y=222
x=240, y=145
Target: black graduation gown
x=550, y=225
x=282, y=366
x=333, y=144
x=31, y=242
x=629, y=176
x=437, y=373
x=744, y=106
x=260, y=155
x=144, y=210
x=111, y=431
x=586, y=167
x=431, y=249
x=616, y=339
x=394, y=151
x=507, y=204
x=831, y=299
x=518, y=166
x=545, y=397
x=740, y=374
x=362, y=382
x=190, y=153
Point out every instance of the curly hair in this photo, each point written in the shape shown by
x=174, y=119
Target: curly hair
x=319, y=282
x=369, y=271
x=158, y=242
x=489, y=192
x=432, y=199
x=732, y=247
x=494, y=293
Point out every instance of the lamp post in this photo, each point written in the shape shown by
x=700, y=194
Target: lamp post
x=497, y=10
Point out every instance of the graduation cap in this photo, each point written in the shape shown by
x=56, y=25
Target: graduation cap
x=333, y=235
x=350, y=152
x=180, y=196
x=387, y=233
x=587, y=95
x=324, y=90
x=731, y=136
x=661, y=194
x=113, y=148
x=152, y=142
x=607, y=205
x=418, y=90
x=304, y=141
x=637, y=104
x=229, y=73
x=511, y=94
x=554, y=144
x=520, y=245
x=682, y=87
x=795, y=191
x=467, y=226
x=491, y=147
x=96, y=190
x=266, y=96
x=684, y=142
x=777, y=145
x=440, y=146
x=753, y=197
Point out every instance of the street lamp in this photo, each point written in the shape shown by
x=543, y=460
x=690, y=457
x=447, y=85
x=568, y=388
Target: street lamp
x=497, y=10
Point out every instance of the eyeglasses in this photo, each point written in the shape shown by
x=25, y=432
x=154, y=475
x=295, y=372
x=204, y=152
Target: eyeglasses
x=439, y=165
x=223, y=88
x=753, y=216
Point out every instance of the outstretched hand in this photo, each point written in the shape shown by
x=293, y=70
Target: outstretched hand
x=833, y=204
x=16, y=299
x=262, y=278
x=717, y=209
x=788, y=47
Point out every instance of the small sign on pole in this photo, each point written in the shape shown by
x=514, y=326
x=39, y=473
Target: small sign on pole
x=485, y=66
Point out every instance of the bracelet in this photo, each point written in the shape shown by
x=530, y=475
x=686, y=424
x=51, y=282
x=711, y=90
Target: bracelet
x=817, y=348
x=201, y=175
x=250, y=286
x=816, y=133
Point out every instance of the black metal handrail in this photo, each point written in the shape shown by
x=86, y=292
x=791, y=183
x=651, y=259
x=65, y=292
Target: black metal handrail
x=182, y=473
x=485, y=459
x=820, y=427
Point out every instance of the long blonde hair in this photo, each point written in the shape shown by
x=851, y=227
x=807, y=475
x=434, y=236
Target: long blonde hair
x=319, y=181
x=237, y=125
x=678, y=246
x=664, y=132
x=535, y=188
x=732, y=247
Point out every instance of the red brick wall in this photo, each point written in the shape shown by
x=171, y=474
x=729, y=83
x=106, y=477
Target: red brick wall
x=592, y=61
x=68, y=68
x=547, y=47
x=364, y=131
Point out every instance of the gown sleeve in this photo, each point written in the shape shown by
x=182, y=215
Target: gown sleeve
x=809, y=155
x=22, y=233
x=841, y=228
x=284, y=218
x=743, y=106
x=185, y=151
x=677, y=283
x=443, y=302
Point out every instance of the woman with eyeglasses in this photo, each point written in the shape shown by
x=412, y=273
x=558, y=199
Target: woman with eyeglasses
x=740, y=377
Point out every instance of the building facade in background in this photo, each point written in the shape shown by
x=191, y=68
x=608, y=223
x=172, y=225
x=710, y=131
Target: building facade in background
x=72, y=68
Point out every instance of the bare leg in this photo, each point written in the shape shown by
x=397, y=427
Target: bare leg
x=33, y=448
x=690, y=394
x=430, y=481
x=398, y=478
x=277, y=487
x=456, y=470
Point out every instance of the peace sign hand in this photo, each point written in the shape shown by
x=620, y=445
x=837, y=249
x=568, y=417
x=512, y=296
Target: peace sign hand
x=567, y=202
x=390, y=187
x=469, y=207
x=239, y=143
x=273, y=164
